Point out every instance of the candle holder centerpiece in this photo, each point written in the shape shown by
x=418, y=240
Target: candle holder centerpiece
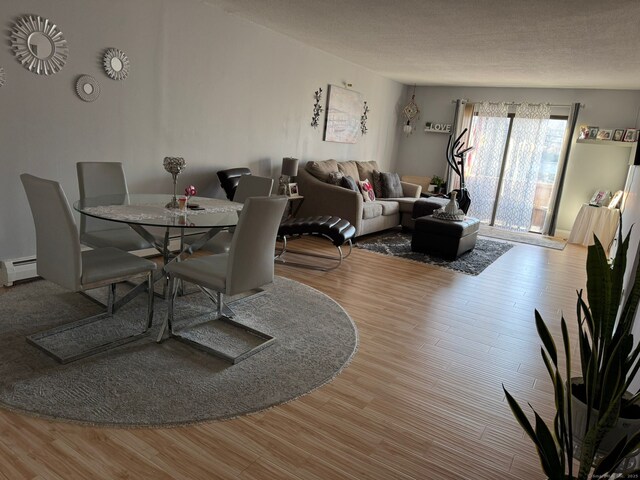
x=174, y=165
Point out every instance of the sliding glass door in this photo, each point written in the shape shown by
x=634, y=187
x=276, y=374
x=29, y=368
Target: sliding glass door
x=513, y=167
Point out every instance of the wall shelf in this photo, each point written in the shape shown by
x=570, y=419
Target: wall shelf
x=611, y=143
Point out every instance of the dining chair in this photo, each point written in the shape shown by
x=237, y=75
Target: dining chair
x=105, y=178
x=248, y=186
x=229, y=179
x=247, y=266
x=59, y=259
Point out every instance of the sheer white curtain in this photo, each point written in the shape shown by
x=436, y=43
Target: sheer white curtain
x=520, y=177
x=488, y=137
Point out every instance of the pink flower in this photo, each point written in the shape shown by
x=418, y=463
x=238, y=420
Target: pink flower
x=190, y=191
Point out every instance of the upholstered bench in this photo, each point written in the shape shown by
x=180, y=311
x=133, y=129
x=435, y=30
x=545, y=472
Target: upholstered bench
x=337, y=230
x=445, y=238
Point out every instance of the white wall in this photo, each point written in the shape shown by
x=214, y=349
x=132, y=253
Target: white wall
x=204, y=85
x=590, y=167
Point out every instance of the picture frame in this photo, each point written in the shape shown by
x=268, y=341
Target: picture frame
x=615, y=200
x=593, y=132
x=604, y=134
x=344, y=109
x=630, y=135
x=584, y=132
x=599, y=198
x=293, y=190
x=618, y=134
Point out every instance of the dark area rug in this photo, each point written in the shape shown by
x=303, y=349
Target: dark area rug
x=149, y=384
x=398, y=244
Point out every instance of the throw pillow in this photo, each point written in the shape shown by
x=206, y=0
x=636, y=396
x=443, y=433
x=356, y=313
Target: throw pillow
x=349, y=182
x=377, y=184
x=367, y=190
x=335, y=178
x=391, y=186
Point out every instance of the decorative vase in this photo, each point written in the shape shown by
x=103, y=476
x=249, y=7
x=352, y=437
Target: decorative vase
x=174, y=165
x=452, y=207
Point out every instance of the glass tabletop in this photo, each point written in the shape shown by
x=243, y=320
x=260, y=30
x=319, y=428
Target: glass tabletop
x=150, y=210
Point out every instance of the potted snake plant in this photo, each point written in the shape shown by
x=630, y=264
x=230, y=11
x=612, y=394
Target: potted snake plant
x=597, y=418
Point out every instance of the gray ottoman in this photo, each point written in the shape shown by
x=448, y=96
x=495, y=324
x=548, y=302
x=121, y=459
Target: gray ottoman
x=445, y=238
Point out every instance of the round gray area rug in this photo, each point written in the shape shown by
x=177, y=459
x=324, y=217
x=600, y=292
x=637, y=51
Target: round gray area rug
x=149, y=384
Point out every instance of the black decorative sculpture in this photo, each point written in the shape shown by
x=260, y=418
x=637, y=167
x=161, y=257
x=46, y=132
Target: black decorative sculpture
x=456, y=156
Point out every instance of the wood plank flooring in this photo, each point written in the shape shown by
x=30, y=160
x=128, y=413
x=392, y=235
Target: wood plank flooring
x=422, y=399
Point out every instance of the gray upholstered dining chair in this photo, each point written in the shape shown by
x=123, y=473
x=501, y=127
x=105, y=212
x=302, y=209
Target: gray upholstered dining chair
x=248, y=186
x=105, y=178
x=59, y=259
x=247, y=266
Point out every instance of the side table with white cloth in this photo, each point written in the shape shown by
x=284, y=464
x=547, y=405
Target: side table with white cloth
x=599, y=221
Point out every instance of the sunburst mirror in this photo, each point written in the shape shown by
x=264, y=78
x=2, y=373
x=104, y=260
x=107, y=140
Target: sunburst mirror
x=116, y=64
x=87, y=88
x=39, y=45
x=1, y=77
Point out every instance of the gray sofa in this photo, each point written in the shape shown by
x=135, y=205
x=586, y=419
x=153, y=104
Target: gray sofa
x=323, y=198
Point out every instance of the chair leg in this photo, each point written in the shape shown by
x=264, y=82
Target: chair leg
x=219, y=298
x=111, y=298
x=45, y=340
x=338, y=259
x=184, y=335
x=173, y=293
x=150, y=300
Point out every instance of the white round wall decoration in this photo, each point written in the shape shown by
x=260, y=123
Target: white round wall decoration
x=39, y=45
x=87, y=88
x=116, y=64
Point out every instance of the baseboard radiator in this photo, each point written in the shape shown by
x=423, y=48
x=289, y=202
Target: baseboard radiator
x=17, y=269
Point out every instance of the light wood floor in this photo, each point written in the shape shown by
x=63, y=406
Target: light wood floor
x=422, y=398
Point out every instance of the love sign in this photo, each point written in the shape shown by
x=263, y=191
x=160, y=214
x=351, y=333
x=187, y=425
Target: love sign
x=437, y=127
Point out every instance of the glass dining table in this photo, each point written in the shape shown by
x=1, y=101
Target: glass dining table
x=201, y=220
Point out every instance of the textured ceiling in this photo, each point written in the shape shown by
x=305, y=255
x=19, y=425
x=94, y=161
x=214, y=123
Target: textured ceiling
x=518, y=43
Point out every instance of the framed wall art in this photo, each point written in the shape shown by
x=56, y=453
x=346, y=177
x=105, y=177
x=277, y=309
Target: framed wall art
x=630, y=135
x=344, y=112
x=618, y=134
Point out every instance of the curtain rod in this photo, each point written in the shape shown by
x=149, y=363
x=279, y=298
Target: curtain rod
x=464, y=100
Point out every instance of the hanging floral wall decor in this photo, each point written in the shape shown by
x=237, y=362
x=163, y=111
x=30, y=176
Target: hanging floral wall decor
x=317, y=108
x=363, y=119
